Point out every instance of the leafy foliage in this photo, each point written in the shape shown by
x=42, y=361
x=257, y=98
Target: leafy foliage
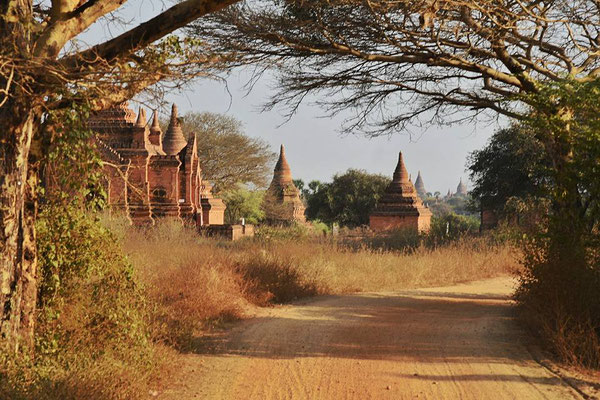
x=243, y=203
x=228, y=156
x=513, y=164
x=561, y=283
x=451, y=227
x=347, y=200
x=92, y=320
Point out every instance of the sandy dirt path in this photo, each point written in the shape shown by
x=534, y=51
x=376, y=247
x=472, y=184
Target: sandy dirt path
x=458, y=342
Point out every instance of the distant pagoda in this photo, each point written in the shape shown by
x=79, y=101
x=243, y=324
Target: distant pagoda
x=282, y=203
x=461, y=189
x=400, y=206
x=420, y=186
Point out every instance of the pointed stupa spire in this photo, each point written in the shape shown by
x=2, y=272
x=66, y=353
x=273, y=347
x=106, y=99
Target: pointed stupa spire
x=461, y=189
x=155, y=132
x=282, y=202
x=400, y=173
x=141, y=118
x=155, y=127
x=173, y=140
x=282, y=171
x=420, y=186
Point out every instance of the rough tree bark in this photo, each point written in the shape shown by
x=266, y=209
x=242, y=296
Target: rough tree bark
x=18, y=260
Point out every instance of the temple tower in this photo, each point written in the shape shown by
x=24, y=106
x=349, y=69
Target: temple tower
x=146, y=180
x=400, y=206
x=165, y=169
x=282, y=203
x=121, y=137
x=461, y=189
x=155, y=134
x=420, y=186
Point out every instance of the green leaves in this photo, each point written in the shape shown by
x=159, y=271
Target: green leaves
x=347, y=200
x=72, y=166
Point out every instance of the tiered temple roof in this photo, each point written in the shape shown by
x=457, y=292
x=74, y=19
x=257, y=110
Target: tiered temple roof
x=283, y=203
x=400, y=205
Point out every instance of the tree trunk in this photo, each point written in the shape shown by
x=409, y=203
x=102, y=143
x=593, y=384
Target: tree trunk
x=18, y=208
x=567, y=247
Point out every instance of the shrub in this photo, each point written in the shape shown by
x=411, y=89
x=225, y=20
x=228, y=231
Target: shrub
x=451, y=227
x=396, y=239
x=562, y=301
x=282, y=232
x=91, y=334
x=189, y=283
x=272, y=277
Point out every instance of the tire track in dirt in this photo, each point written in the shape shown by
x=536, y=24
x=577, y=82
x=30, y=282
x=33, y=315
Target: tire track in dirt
x=458, y=342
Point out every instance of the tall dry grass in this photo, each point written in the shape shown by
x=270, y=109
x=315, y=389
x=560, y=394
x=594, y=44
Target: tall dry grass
x=114, y=338
x=193, y=282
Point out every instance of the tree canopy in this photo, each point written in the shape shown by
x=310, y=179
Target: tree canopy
x=243, y=203
x=437, y=60
x=347, y=200
x=229, y=157
x=512, y=164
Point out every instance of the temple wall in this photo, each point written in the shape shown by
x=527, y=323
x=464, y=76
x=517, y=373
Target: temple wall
x=213, y=211
x=424, y=224
x=138, y=196
x=381, y=223
x=115, y=187
x=162, y=178
x=489, y=219
x=229, y=232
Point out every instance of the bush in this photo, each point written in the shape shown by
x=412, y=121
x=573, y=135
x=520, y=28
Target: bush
x=396, y=239
x=562, y=301
x=91, y=335
x=273, y=232
x=272, y=278
x=451, y=227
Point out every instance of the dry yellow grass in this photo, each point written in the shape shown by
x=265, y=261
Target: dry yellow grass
x=193, y=281
x=188, y=283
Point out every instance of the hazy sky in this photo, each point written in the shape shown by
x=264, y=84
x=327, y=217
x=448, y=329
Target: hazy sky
x=316, y=149
x=314, y=146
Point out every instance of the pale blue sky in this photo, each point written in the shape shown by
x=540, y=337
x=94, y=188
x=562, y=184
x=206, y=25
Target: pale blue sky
x=316, y=149
x=314, y=146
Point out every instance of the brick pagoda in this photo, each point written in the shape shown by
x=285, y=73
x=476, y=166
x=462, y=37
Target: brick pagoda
x=400, y=206
x=282, y=203
x=149, y=174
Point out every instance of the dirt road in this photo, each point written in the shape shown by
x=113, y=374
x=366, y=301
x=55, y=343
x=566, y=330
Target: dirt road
x=457, y=342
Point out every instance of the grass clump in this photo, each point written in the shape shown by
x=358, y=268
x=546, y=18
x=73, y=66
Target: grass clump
x=274, y=278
